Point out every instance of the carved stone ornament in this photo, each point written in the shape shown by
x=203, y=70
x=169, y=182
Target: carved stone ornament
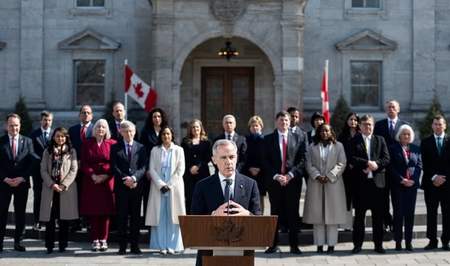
x=227, y=10
x=228, y=232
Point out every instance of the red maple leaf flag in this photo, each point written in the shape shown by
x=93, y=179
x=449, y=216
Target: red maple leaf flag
x=324, y=94
x=137, y=89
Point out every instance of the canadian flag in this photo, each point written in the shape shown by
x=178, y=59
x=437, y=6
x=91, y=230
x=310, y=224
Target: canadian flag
x=137, y=89
x=324, y=94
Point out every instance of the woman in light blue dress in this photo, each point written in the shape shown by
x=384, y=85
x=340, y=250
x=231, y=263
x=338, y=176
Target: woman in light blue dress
x=166, y=200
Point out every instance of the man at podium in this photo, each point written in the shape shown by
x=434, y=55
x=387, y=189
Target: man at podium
x=226, y=192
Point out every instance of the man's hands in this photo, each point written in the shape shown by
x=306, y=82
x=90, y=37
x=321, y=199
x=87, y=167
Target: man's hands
x=371, y=166
x=235, y=210
x=439, y=180
x=408, y=182
x=129, y=182
x=14, y=182
x=254, y=171
x=283, y=179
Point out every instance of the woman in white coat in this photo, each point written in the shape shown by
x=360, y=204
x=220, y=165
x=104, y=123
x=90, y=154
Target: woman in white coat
x=325, y=204
x=166, y=199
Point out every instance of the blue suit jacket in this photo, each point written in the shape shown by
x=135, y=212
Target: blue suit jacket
x=208, y=195
x=398, y=164
x=75, y=136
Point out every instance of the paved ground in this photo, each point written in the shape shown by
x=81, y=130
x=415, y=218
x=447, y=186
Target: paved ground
x=79, y=254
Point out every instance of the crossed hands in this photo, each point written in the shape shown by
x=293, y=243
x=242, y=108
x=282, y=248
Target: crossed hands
x=439, y=180
x=129, y=182
x=283, y=179
x=58, y=188
x=371, y=166
x=99, y=178
x=235, y=210
x=14, y=182
x=408, y=182
x=322, y=179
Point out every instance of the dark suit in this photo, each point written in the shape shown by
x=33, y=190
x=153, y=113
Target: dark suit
x=75, y=137
x=404, y=198
x=369, y=194
x=242, y=149
x=284, y=200
x=208, y=196
x=39, y=145
x=22, y=166
x=128, y=201
x=436, y=164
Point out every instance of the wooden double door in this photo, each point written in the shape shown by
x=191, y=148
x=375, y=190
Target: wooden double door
x=227, y=90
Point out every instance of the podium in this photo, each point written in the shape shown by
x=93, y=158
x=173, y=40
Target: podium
x=228, y=240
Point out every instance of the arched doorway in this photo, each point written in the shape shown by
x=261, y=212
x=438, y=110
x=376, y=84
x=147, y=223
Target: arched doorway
x=213, y=87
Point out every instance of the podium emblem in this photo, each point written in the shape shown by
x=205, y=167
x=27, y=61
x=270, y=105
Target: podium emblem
x=228, y=232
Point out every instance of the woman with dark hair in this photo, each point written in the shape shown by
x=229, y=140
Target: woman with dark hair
x=166, y=200
x=156, y=119
x=97, y=201
x=325, y=196
x=197, y=155
x=59, y=192
x=317, y=119
x=351, y=130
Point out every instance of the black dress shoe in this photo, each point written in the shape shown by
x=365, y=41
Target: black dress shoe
x=409, y=247
x=62, y=250
x=380, y=250
x=19, y=247
x=356, y=250
x=398, y=246
x=49, y=250
x=37, y=226
x=295, y=250
x=76, y=228
x=136, y=250
x=446, y=247
x=330, y=250
x=122, y=251
x=319, y=249
x=271, y=250
x=430, y=246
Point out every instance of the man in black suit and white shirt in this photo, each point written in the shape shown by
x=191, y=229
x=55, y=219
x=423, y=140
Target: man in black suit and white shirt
x=40, y=138
x=284, y=161
x=435, y=151
x=229, y=125
x=119, y=113
x=368, y=153
x=128, y=163
x=210, y=194
x=387, y=128
x=17, y=161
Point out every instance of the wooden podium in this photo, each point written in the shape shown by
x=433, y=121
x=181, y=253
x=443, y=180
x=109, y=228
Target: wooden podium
x=228, y=240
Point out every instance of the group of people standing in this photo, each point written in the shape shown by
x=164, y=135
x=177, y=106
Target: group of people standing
x=105, y=170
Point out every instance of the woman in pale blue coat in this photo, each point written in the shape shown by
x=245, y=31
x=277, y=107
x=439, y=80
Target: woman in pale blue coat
x=166, y=199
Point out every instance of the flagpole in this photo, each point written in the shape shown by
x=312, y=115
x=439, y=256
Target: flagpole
x=124, y=91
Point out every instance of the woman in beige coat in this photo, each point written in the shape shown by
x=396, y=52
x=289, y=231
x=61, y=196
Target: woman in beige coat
x=166, y=199
x=325, y=205
x=59, y=193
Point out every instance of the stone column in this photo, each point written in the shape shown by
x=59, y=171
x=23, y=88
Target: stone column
x=292, y=26
x=424, y=68
x=32, y=53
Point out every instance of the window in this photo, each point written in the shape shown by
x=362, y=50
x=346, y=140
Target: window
x=365, y=83
x=366, y=4
x=90, y=3
x=90, y=82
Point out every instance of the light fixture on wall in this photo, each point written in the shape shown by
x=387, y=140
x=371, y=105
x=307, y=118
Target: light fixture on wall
x=228, y=52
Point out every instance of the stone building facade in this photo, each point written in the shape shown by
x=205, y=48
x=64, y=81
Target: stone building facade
x=59, y=54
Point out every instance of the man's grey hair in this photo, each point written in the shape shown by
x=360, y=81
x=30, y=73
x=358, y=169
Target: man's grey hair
x=126, y=124
x=228, y=116
x=222, y=142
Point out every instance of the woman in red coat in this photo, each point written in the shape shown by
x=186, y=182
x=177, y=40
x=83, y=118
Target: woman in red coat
x=97, y=198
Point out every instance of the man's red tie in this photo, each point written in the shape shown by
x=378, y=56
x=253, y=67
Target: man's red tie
x=283, y=168
x=83, y=132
